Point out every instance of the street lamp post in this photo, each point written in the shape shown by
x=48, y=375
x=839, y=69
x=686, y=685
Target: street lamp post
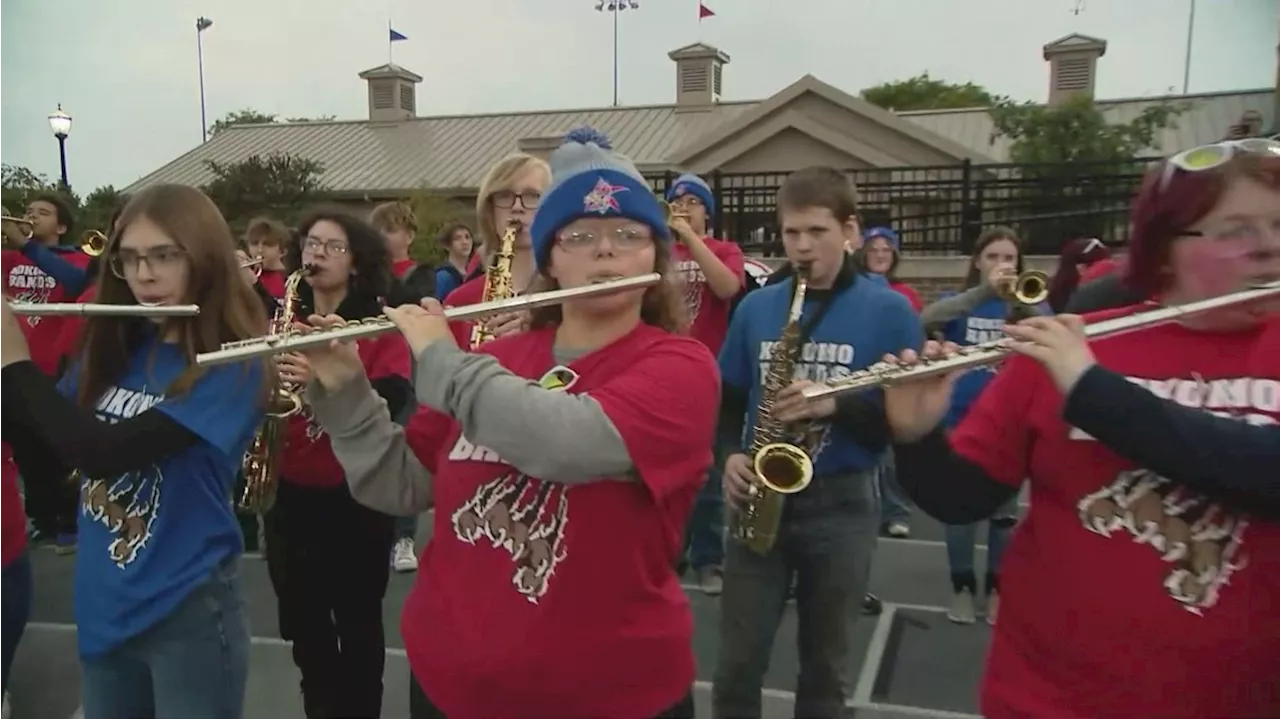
x=616, y=7
x=60, y=123
x=202, y=24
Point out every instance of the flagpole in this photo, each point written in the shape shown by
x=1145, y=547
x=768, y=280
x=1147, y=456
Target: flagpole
x=390, y=43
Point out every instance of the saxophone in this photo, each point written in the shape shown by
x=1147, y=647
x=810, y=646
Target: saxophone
x=781, y=468
x=262, y=462
x=497, y=279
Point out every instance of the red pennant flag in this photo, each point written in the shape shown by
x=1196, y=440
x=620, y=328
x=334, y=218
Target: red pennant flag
x=704, y=11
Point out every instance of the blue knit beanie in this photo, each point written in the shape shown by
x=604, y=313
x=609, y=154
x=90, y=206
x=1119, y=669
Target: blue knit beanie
x=589, y=180
x=693, y=185
x=892, y=237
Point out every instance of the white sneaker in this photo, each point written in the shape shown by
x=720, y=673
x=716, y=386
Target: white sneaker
x=962, y=609
x=899, y=530
x=402, y=557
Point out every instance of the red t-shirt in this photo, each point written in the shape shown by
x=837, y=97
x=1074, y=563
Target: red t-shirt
x=708, y=314
x=538, y=599
x=905, y=290
x=13, y=519
x=273, y=282
x=468, y=293
x=27, y=283
x=308, y=457
x=1103, y=615
x=401, y=267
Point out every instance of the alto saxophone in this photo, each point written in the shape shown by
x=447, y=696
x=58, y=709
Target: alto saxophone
x=497, y=279
x=262, y=462
x=781, y=468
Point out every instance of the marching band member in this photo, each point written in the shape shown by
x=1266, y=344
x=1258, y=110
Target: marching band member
x=399, y=226
x=553, y=457
x=829, y=530
x=269, y=240
x=512, y=190
x=880, y=254
x=714, y=273
x=327, y=555
x=1146, y=574
x=458, y=245
x=15, y=568
x=156, y=442
x=977, y=314
x=1080, y=260
x=1185, y=444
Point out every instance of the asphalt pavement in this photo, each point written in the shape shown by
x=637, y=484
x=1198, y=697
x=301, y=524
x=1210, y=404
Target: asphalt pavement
x=908, y=662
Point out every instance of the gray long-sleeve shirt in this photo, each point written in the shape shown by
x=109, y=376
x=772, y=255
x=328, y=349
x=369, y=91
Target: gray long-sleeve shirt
x=937, y=314
x=555, y=436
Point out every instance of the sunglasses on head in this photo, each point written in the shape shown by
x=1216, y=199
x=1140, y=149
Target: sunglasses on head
x=1208, y=157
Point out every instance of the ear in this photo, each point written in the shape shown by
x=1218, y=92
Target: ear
x=852, y=234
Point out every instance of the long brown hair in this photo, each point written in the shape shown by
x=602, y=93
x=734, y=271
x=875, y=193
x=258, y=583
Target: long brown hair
x=229, y=309
x=662, y=306
x=988, y=236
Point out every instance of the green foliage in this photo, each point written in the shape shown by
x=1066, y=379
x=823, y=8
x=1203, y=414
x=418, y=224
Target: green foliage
x=95, y=213
x=434, y=212
x=279, y=185
x=320, y=118
x=1077, y=131
x=18, y=185
x=249, y=116
x=925, y=93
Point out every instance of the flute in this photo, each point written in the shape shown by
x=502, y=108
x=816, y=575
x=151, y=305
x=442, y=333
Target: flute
x=989, y=353
x=373, y=326
x=91, y=309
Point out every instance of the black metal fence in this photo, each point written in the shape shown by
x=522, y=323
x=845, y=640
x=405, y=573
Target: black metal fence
x=943, y=210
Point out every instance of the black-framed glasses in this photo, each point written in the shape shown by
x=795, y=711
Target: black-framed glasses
x=506, y=199
x=1208, y=157
x=158, y=259
x=330, y=247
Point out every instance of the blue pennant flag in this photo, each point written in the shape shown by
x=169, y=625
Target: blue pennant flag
x=395, y=36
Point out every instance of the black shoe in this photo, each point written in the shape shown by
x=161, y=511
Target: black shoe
x=871, y=605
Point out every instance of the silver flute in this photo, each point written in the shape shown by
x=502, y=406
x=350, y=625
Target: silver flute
x=372, y=326
x=989, y=353
x=91, y=309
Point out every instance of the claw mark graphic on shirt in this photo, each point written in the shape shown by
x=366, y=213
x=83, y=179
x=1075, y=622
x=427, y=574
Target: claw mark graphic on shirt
x=1202, y=542
x=694, y=281
x=127, y=506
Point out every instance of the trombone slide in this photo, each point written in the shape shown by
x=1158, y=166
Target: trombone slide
x=373, y=326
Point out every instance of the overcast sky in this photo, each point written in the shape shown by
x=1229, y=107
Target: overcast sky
x=126, y=70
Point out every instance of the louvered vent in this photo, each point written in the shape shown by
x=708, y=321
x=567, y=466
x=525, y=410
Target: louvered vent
x=693, y=79
x=1073, y=73
x=383, y=95
x=406, y=98
x=719, y=76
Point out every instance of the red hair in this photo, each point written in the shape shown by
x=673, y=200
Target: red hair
x=1161, y=214
x=1081, y=251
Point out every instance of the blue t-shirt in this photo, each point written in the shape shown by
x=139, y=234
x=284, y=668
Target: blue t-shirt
x=985, y=323
x=150, y=537
x=448, y=279
x=866, y=321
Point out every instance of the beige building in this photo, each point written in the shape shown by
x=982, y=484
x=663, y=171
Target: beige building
x=751, y=144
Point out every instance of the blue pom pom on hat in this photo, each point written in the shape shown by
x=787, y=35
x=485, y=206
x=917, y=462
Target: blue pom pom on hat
x=689, y=184
x=588, y=179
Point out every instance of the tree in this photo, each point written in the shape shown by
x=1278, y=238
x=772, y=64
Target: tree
x=249, y=116
x=18, y=185
x=434, y=212
x=925, y=93
x=98, y=207
x=1077, y=171
x=279, y=185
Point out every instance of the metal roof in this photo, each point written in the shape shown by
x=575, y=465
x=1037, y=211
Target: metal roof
x=454, y=152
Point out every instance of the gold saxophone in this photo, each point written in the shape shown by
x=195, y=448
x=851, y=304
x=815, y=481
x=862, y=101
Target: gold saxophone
x=497, y=279
x=262, y=461
x=781, y=468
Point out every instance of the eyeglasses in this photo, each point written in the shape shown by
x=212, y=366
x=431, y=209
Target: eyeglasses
x=1208, y=157
x=624, y=239
x=331, y=247
x=506, y=199
x=159, y=260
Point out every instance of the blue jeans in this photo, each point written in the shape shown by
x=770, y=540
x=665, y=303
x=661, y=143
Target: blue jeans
x=16, y=610
x=706, y=525
x=893, y=506
x=825, y=542
x=193, y=664
x=407, y=527
x=960, y=546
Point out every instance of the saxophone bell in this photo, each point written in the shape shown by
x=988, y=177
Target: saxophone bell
x=783, y=468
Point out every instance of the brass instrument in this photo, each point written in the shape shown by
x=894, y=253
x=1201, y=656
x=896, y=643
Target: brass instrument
x=91, y=309
x=276, y=342
x=94, y=243
x=1029, y=288
x=669, y=213
x=498, y=284
x=255, y=263
x=261, y=464
x=781, y=468
x=25, y=226
x=989, y=353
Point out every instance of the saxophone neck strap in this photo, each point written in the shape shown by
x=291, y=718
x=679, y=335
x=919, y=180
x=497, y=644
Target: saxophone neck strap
x=826, y=299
